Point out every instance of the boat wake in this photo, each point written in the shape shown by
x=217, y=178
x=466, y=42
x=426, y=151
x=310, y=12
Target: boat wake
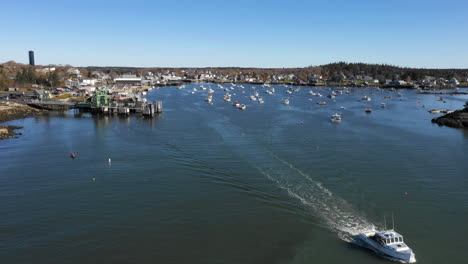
x=338, y=214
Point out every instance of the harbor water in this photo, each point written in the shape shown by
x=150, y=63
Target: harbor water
x=210, y=183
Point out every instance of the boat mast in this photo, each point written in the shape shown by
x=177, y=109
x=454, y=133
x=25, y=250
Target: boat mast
x=393, y=223
x=385, y=223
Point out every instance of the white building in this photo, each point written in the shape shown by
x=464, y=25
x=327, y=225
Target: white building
x=74, y=71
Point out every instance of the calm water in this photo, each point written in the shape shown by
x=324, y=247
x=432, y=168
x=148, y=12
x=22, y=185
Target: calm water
x=212, y=184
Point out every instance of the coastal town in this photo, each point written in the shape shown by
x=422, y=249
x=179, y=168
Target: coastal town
x=32, y=89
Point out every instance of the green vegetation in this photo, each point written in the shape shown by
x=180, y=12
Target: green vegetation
x=28, y=76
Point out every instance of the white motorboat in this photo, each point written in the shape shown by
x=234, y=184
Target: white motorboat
x=242, y=107
x=388, y=243
x=260, y=101
x=366, y=98
x=227, y=97
x=253, y=98
x=336, y=118
x=286, y=101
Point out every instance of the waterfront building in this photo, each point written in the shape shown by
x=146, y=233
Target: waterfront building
x=131, y=80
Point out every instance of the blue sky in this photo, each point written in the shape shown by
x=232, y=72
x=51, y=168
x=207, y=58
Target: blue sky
x=414, y=33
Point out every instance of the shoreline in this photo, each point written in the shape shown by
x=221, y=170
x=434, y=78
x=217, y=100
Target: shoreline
x=14, y=111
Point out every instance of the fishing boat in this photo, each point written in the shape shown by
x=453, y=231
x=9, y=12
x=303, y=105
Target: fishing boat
x=242, y=107
x=253, y=98
x=368, y=109
x=286, y=101
x=227, y=97
x=260, y=101
x=387, y=243
x=237, y=104
x=331, y=96
x=383, y=105
x=336, y=118
x=366, y=98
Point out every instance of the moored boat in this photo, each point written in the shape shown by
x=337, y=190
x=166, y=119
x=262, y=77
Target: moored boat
x=336, y=118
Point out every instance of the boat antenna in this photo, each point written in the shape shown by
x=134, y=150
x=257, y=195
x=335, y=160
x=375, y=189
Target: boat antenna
x=385, y=222
x=393, y=223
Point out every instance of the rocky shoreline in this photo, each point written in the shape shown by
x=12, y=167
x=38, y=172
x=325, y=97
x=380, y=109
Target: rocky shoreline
x=7, y=132
x=457, y=119
x=12, y=111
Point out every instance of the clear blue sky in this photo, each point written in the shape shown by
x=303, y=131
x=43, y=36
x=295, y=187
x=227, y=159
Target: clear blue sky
x=288, y=33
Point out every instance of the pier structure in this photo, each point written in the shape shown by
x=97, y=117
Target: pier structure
x=102, y=103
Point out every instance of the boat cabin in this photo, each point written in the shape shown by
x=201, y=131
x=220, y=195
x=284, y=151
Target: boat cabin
x=388, y=237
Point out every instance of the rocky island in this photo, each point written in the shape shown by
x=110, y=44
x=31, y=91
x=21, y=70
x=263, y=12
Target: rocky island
x=457, y=119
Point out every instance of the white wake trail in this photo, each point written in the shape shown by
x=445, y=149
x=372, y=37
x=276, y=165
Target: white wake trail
x=338, y=214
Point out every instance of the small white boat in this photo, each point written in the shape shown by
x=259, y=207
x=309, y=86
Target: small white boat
x=286, y=101
x=210, y=91
x=227, y=97
x=342, y=107
x=237, y=104
x=260, y=101
x=388, y=243
x=242, y=107
x=336, y=118
x=181, y=87
x=366, y=98
x=253, y=98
